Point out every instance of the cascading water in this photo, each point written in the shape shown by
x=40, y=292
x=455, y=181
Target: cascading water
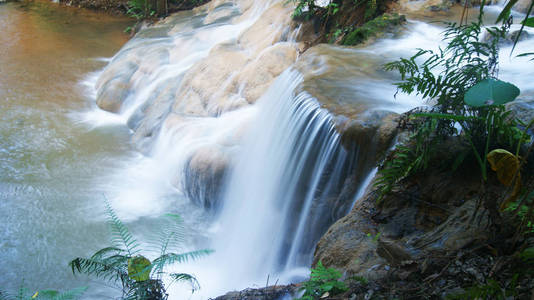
x=186, y=86
x=277, y=179
x=273, y=175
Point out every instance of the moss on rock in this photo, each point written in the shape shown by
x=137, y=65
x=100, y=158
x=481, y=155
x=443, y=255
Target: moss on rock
x=373, y=28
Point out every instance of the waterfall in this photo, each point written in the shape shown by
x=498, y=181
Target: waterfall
x=279, y=195
x=290, y=164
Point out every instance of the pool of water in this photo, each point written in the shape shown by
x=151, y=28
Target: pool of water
x=51, y=162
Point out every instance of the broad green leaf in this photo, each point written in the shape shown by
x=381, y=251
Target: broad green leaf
x=491, y=92
x=529, y=22
x=139, y=268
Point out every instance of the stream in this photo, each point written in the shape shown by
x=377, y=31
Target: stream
x=212, y=114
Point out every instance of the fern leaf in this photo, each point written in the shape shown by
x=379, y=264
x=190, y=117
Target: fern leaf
x=112, y=268
x=121, y=236
x=177, y=277
x=171, y=258
x=172, y=234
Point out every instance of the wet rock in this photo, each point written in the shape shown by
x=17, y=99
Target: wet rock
x=258, y=75
x=114, y=85
x=393, y=252
x=267, y=293
x=410, y=6
x=220, y=11
x=147, y=120
x=406, y=235
x=373, y=29
x=461, y=229
x=347, y=246
x=268, y=29
x=206, y=81
x=522, y=6
x=522, y=109
x=204, y=175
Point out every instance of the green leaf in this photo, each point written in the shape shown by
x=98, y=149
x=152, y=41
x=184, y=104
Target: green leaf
x=491, y=92
x=505, y=13
x=528, y=22
x=139, y=268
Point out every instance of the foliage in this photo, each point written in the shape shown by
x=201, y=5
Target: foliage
x=406, y=159
x=523, y=208
x=139, y=9
x=459, y=79
x=375, y=237
x=362, y=280
x=323, y=282
x=139, y=277
x=304, y=9
x=24, y=294
x=504, y=16
x=491, y=290
x=341, y=17
x=372, y=28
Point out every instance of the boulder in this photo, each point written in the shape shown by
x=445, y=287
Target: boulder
x=114, y=84
x=433, y=212
x=204, y=175
x=270, y=292
x=258, y=75
x=522, y=6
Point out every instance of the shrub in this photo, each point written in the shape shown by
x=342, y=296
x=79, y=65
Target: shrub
x=122, y=262
x=323, y=282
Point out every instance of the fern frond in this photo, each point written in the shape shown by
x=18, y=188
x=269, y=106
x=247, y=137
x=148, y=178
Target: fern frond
x=121, y=236
x=73, y=294
x=171, y=258
x=172, y=234
x=112, y=268
x=100, y=254
x=178, y=277
x=22, y=291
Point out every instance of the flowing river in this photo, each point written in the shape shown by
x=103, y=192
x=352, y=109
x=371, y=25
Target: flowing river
x=240, y=134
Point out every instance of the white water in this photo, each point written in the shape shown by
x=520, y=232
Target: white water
x=270, y=189
x=287, y=164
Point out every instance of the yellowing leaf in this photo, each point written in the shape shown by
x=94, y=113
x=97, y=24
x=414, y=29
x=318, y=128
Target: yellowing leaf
x=35, y=295
x=505, y=164
x=139, y=268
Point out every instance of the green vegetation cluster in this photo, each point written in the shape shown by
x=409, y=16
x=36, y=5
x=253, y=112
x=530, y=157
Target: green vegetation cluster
x=324, y=282
x=467, y=99
x=143, y=9
x=348, y=22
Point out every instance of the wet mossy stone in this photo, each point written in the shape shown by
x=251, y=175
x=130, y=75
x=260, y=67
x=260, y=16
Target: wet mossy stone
x=373, y=28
